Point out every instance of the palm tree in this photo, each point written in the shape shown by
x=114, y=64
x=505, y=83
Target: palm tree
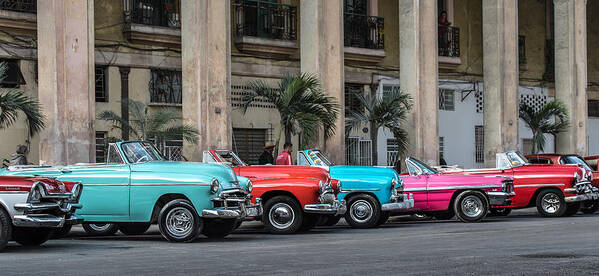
x=12, y=103
x=159, y=125
x=302, y=105
x=551, y=118
x=390, y=111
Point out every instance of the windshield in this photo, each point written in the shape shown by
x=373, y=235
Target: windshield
x=230, y=157
x=516, y=159
x=575, y=160
x=319, y=159
x=416, y=166
x=138, y=152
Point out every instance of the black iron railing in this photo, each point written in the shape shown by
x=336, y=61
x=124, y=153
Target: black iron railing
x=166, y=86
x=449, y=41
x=265, y=19
x=364, y=31
x=164, y=13
x=29, y=6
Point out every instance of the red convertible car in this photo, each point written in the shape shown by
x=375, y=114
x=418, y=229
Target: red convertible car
x=571, y=159
x=556, y=190
x=295, y=198
x=31, y=208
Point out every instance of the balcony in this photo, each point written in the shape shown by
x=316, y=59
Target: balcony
x=449, y=47
x=364, y=38
x=153, y=21
x=265, y=28
x=19, y=14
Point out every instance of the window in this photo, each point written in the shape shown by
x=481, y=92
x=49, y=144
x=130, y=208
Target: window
x=352, y=102
x=446, y=99
x=521, y=49
x=527, y=146
x=101, y=144
x=593, y=108
x=539, y=160
x=248, y=143
x=302, y=160
x=388, y=89
x=114, y=157
x=165, y=86
x=13, y=76
x=392, y=152
x=101, y=74
x=479, y=144
x=441, y=146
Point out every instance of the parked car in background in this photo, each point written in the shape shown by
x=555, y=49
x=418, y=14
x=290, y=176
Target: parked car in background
x=138, y=187
x=444, y=196
x=371, y=193
x=31, y=208
x=592, y=175
x=295, y=198
x=556, y=190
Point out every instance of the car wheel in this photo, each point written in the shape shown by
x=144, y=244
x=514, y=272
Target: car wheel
x=29, y=236
x=590, y=207
x=5, y=228
x=551, y=203
x=100, y=229
x=282, y=215
x=445, y=215
x=572, y=209
x=218, y=228
x=471, y=206
x=501, y=212
x=134, y=228
x=178, y=221
x=383, y=218
x=363, y=211
x=61, y=232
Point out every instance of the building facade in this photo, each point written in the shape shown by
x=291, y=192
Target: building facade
x=467, y=74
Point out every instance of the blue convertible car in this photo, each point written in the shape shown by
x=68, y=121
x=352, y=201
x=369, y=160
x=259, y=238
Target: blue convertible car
x=371, y=193
x=137, y=187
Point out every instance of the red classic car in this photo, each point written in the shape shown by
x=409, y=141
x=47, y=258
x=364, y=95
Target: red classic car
x=571, y=159
x=295, y=198
x=556, y=190
x=32, y=207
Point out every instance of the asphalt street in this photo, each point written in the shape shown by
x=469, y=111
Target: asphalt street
x=520, y=244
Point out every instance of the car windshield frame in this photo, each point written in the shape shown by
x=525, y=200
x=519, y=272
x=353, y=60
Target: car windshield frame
x=422, y=167
x=516, y=156
x=319, y=159
x=580, y=161
x=234, y=156
x=149, y=151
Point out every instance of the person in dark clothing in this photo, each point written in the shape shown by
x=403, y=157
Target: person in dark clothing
x=20, y=157
x=442, y=161
x=266, y=157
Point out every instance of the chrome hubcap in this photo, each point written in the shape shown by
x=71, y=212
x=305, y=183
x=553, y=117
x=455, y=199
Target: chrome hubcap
x=472, y=206
x=361, y=211
x=179, y=222
x=550, y=203
x=100, y=227
x=281, y=215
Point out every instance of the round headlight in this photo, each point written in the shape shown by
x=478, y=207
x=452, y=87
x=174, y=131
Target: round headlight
x=214, y=186
x=250, y=186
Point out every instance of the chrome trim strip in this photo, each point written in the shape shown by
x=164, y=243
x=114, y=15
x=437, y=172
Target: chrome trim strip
x=538, y=185
x=87, y=185
x=170, y=184
x=14, y=192
x=357, y=190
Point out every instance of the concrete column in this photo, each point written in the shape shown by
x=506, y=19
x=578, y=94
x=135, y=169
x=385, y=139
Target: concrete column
x=418, y=50
x=206, y=54
x=500, y=69
x=321, y=24
x=65, y=32
x=571, y=72
x=124, y=71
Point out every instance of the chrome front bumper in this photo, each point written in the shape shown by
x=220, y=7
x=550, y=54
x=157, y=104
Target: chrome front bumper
x=500, y=198
x=400, y=203
x=335, y=208
x=582, y=197
x=243, y=208
x=44, y=220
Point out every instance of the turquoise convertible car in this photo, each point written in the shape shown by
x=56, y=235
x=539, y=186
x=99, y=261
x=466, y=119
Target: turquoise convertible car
x=371, y=193
x=138, y=187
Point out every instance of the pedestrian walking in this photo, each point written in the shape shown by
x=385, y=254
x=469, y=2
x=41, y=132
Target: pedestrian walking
x=266, y=158
x=284, y=157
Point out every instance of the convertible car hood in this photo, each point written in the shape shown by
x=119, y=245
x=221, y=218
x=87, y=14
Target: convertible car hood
x=187, y=170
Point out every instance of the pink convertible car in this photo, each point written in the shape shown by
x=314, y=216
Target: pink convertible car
x=447, y=195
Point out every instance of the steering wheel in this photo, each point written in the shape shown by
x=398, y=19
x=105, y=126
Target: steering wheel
x=141, y=159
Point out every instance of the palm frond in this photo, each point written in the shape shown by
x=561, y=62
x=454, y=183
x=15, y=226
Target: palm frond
x=551, y=118
x=117, y=122
x=176, y=132
x=11, y=103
